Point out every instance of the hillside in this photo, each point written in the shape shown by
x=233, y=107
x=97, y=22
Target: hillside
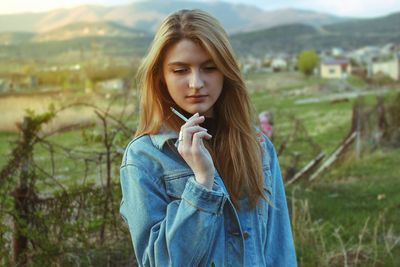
x=288, y=38
x=388, y=25
x=77, y=49
x=296, y=37
x=8, y=38
x=82, y=29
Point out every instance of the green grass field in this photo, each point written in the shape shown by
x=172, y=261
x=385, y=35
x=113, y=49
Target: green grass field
x=352, y=199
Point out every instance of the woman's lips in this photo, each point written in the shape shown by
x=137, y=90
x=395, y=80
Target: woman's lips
x=196, y=98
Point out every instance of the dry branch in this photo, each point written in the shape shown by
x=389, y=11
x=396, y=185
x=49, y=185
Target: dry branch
x=332, y=159
x=307, y=169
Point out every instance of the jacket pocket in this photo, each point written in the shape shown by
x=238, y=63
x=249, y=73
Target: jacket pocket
x=175, y=183
x=265, y=204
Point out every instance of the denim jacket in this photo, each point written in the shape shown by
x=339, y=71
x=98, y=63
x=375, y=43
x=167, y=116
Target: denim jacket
x=175, y=221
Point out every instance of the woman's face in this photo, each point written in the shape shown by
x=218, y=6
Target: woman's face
x=192, y=78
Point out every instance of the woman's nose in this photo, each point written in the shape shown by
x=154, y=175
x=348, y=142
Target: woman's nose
x=196, y=81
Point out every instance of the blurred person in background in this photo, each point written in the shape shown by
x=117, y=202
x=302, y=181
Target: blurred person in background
x=266, y=123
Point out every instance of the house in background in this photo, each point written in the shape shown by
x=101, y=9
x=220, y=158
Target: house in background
x=364, y=57
x=279, y=64
x=335, y=68
x=390, y=67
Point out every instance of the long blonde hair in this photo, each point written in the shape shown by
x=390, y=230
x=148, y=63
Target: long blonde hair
x=234, y=148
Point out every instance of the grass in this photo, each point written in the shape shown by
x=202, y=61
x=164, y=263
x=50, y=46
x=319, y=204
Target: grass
x=356, y=197
x=367, y=186
x=351, y=194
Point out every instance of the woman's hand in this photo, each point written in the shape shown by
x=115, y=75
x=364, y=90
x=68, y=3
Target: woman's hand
x=193, y=151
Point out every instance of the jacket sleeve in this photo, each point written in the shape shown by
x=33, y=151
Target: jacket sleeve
x=167, y=231
x=280, y=245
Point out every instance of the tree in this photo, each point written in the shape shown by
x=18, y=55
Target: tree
x=308, y=60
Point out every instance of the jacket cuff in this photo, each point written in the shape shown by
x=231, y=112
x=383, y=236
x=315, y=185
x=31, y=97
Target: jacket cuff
x=208, y=200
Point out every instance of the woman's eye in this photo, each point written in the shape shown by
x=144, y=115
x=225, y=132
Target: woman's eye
x=180, y=71
x=210, y=68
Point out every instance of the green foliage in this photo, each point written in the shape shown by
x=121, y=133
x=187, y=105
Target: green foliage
x=381, y=79
x=68, y=221
x=393, y=131
x=40, y=119
x=96, y=74
x=78, y=50
x=59, y=77
x=356, y=81
x=308, y=60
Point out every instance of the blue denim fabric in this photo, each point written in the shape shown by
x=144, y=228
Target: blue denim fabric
x=175, y=221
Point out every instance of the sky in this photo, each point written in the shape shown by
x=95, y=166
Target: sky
x=349, y=8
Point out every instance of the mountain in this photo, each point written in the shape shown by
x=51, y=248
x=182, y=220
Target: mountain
x=269, y=19
x=389, y=24
x=85, y=29
x=296, y=37
x=146, y=15
x=286, y=38
x=72, y=31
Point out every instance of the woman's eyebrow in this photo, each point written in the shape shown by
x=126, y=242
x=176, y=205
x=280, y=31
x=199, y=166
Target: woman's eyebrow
x=210, y=61
x=180, y=63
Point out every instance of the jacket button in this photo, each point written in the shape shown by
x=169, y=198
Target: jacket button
x=246, y=235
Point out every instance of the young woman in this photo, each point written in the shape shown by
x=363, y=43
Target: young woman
x=207, y=191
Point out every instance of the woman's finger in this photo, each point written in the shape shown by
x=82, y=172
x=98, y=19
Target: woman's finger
x=186, y=134
x=198, y=139
x=194, y=120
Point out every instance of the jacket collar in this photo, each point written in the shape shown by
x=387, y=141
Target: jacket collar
x=165, y=134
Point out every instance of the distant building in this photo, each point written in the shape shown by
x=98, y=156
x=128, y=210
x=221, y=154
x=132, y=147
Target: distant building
x=279, y=64
x=390, y=68
x=387, y=49
x=335, y=68
x=365, y=56
x=337, y=52
x=113, y=84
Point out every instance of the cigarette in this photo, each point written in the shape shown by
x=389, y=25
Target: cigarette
x=179, y=114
